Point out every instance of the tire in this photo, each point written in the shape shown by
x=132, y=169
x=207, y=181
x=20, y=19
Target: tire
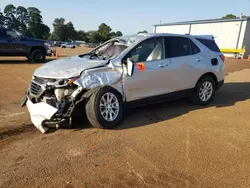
x=38, y=56
x=93, y=108
x=198, y=97
x=73, y=47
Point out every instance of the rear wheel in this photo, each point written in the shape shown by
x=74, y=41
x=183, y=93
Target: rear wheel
x=204, y=91
x=105, y=108
x=38, y=56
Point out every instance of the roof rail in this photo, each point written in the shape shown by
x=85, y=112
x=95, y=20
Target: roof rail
x=211, y=37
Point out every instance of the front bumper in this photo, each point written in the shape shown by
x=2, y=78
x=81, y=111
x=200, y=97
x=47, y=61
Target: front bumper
x=49, y=52
x=40, y=113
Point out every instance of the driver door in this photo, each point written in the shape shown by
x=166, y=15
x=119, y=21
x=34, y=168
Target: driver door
x=149, y=73
x=14, y=43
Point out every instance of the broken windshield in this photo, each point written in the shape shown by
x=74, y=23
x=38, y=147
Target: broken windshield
x=113, y=47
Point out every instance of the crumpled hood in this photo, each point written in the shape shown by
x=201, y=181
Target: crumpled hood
x=67, y=67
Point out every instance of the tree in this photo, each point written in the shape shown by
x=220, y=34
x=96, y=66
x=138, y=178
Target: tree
x=2, y=19
x=229, y=16
x=104, y=32
x=36, y=26
x=144, y=31
x=10, y=20
x=23, y=18
x=64, y=31
x=58, y=24
x=118, y=33
x=95, y=37
x=81, y=35
x=70, y=31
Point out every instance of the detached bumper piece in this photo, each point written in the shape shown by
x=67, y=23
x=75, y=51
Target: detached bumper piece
x=40, y=113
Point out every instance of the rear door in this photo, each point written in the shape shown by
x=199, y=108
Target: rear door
x=149, y=75
x=186, y=63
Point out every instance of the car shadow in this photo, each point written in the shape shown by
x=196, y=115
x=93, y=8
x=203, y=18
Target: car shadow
x=228, y=95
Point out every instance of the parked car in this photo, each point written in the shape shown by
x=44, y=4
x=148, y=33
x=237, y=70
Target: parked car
x=13, y=43
x=68, y=45
x=126, y=71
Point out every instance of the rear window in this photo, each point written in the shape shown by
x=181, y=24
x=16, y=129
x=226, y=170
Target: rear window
x=209, y=44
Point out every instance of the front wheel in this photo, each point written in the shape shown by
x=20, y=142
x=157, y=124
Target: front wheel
x=105, y=108
x=204, y=91
x=38, y=56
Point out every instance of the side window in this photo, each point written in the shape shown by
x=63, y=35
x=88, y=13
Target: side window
x=2, y=34
x=149, y=50
x=12, y=34
x=177, y=47
x=209, y=44
x=194, y=47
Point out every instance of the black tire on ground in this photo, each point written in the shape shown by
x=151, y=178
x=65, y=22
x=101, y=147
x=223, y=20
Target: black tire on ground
x=29, y=58
x=197, y=96
x=73, y=47
x=93, y=108
x=38, y=56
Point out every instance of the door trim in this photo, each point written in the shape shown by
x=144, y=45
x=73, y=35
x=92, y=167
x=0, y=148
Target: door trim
x=160, y=98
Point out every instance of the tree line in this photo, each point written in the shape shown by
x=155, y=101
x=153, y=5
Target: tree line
x=29, y=21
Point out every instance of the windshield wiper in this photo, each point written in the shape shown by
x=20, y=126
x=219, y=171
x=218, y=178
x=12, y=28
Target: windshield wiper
x=92, y=54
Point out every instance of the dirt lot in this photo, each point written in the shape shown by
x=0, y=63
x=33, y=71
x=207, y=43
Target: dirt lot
x=174, y=144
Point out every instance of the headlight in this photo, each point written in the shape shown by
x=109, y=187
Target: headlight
x=70, y=81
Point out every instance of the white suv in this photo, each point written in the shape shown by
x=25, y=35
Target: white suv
x=133, y=70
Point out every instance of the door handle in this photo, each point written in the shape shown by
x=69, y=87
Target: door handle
x=162, y=65
x=198, y=59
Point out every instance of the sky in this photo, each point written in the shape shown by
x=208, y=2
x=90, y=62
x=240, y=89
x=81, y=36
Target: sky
x=131, y=16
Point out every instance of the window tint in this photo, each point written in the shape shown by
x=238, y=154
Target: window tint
x=194, y=47
x=148, y=50
x=209, y=44
x=12, y=34
x=177, y=46
x=2, y=34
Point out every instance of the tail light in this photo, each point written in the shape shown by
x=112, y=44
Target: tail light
x=222, y=57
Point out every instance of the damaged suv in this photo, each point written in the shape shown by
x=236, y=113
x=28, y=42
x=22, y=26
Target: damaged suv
x=124, y=71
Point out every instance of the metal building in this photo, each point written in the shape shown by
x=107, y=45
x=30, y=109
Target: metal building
x=231, y=35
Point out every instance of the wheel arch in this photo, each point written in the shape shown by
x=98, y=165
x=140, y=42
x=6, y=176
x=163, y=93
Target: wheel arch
x=90, y=92
x=37, y=48
x=209, y=74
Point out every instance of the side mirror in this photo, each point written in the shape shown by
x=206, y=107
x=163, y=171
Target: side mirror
x=130, y=67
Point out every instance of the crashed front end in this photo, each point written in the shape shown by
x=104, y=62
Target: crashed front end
x=51, y=102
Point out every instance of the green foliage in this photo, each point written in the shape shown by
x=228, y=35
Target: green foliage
x=27, y=21
x=62, y=31
x=82, y=36
x=144, y=31
x=118, y=33
x=30, y=22
x=22, y=17
x=10, y=19
x=2, y=19
x=35, y=25
x=229, y=16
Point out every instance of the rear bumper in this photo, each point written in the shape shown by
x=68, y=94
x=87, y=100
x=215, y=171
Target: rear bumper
x=219, y=84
